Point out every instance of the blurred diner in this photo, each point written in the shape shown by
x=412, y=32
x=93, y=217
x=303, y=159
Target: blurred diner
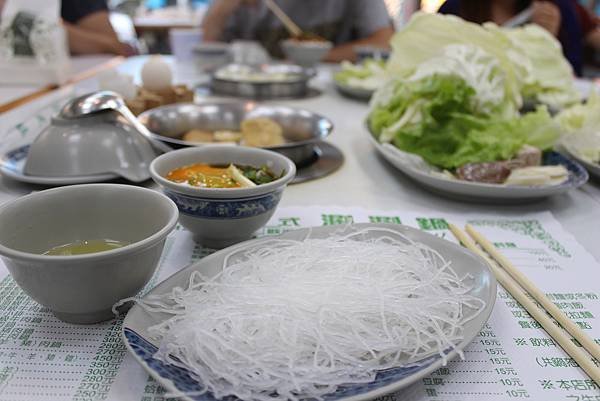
x=559, y=17
x=89, y=30
x=346, y=23
x=87, y=25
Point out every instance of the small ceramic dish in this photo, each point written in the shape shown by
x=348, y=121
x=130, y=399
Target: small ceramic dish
x=219, y=217
x=306, y=53
x=83, y=288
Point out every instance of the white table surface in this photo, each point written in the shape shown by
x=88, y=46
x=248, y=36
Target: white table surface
x=365, y=179
x=79, y=64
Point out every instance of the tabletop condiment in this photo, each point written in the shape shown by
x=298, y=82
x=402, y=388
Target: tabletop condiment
x=205, y=175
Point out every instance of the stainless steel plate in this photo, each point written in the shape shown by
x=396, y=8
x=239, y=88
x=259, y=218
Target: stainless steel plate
x=327, y=159
x=301, y=128
x=234, y=80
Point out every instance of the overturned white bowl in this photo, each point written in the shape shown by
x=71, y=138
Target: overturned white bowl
x=96, y=144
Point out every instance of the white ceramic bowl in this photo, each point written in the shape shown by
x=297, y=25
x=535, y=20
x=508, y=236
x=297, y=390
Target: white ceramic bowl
x=96, y=144
x=305, y=53
x=83, y=288
x=219, y=217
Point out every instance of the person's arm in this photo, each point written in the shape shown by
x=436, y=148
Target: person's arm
x=373, y=25
x=215, y=20
x=84, y=41
x=592, y=39
x=89, y=29
x=547, y=15
x=379, y=38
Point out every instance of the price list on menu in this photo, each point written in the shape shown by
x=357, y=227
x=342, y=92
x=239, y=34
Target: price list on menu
x=42, y=358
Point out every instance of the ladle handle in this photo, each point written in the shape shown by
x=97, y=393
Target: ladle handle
x=142, y=130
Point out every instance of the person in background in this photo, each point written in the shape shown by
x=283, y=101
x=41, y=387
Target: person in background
x=589, y=26
x=559, y=17
x=89, y=30
x=346, y=23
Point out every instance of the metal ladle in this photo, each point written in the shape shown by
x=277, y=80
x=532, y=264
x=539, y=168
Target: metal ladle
x=106, y=100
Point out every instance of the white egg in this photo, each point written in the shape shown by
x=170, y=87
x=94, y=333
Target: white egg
x=156, y=74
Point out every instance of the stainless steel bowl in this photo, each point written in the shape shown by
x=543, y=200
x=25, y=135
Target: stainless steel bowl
x=302, y=129
x=225, y=82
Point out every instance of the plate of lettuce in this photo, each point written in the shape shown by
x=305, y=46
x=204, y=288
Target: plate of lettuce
x=359, y=81
x=454, y=122
x=580, y=138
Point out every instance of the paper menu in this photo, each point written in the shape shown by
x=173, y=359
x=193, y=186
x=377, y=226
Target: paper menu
x=42, y=358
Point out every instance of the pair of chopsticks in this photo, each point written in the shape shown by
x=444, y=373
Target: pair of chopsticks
x=520, y=19
x=290, y=25
x=523, y=290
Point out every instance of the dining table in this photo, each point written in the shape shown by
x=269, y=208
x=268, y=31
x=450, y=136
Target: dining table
x=14, y=95
x=365, y=181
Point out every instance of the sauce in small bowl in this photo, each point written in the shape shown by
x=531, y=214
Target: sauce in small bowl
x=220, y=215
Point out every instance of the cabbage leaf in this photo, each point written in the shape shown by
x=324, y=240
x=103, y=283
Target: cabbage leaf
x=434, y=117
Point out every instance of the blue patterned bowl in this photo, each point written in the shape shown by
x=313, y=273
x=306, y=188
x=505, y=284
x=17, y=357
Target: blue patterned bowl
x=219, y=217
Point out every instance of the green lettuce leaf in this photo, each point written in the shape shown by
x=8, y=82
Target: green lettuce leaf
x=581, y=129
x=435, y=118
x=369, y=75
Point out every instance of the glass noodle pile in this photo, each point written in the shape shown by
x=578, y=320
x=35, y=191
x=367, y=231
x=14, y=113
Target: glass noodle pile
x=288, y=320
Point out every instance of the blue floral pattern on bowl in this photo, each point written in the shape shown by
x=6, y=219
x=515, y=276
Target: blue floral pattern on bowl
x=183, y=380
x=15, y=159
x=225, y=208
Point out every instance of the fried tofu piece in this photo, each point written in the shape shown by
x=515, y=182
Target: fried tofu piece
x=261, y=132
x=198, y=135
x=227, y=136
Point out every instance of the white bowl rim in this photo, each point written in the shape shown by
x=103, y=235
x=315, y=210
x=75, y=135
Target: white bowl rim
x=138, y=245
x=319, y=44
x=223, y=193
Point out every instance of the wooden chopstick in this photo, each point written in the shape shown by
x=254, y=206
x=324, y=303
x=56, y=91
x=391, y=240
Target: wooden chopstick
x=586, y=341
x=556, y=332
x=113, y=62
x=283, y=17
x=27, y=98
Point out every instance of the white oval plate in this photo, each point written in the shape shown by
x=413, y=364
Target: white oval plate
x=482, y=192
x=354, y=92
x=592, y=168
x=178, y=381
x=12, y=164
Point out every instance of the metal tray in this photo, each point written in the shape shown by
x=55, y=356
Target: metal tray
x=302, y=129
x=222, y=83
